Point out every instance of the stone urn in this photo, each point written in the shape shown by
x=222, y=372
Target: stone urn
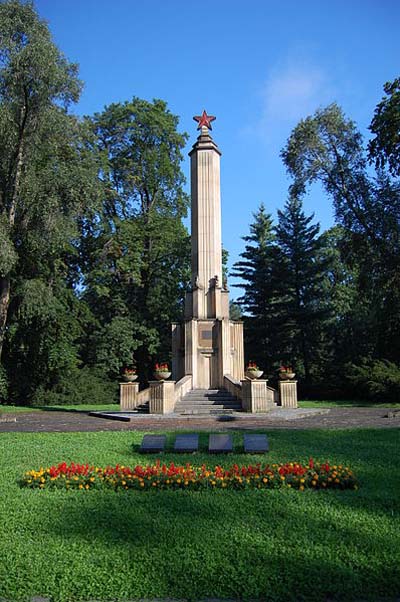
x=129, y=378
x=286, y=375
x=161, y=375
x=254, y=374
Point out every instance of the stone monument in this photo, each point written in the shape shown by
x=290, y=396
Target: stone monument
x=207, y=345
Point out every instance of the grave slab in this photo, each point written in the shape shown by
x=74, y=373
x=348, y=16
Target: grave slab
x=220, y=444
x=186, y=443
x=255, y=444
x=153, y=444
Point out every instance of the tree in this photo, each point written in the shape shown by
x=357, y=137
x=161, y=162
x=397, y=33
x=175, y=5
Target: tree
x=327, y=147
x=136, y=252
x=384, y=148
x=47, y=180
x=35, y=79
x=258, y=280
x=303, y=309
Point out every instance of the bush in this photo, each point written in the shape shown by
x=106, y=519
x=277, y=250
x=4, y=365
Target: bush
x=377, y=380
x=88, y=386
x=3, y=385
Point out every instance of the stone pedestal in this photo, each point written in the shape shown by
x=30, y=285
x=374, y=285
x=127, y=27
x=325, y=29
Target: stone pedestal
x=288, y=393
x=255, y=396
x=128, y=395
x=162, y=396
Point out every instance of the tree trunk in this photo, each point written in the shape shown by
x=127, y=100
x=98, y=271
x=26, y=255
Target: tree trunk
x=5, y=282
x=4, y=303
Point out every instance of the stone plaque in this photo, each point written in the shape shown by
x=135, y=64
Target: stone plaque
x=206, y=337
x=186, y=443
x=255, y=444
x=220, y=444
x=152, y=444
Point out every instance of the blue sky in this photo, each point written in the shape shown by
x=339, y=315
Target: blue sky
x=259, y=66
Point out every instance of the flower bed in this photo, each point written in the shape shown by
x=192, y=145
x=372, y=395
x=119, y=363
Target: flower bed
x=160, y=476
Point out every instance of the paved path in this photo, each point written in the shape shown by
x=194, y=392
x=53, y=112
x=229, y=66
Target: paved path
x=335, y=418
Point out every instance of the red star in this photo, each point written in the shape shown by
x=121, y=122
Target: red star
x=204, y=120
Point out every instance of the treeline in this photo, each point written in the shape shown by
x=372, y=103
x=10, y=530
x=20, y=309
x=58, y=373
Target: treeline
x=95, y=259
x=329, y=304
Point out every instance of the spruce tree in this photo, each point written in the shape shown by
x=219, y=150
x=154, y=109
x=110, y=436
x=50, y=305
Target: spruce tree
x=258, y=281
x=302, y=308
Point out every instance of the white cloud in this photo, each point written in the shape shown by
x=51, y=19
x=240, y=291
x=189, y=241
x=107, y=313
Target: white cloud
x=291, y=92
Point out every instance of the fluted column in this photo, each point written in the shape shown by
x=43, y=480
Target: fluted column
x=206, y=225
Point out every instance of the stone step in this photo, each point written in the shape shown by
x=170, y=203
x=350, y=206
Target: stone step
x=208, y=401
x=208, y=406
x=207, y=409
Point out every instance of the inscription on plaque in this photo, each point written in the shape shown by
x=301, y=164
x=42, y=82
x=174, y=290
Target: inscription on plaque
x=153, y=444
x=220, y=444
x=256, y=444
x=206, y=336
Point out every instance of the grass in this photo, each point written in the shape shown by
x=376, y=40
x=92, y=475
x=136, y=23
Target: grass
x=115, y=406
x=349, y=403
x=7, y=409
x=271, y=545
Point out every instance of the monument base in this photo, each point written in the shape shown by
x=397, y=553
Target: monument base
x=208, y=350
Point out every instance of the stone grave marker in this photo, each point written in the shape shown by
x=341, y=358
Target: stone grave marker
x=220, y=444
x=255, y=444
x=153, y=444
x=187, y=443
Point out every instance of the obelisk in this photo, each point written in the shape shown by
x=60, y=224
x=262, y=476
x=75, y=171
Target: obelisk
x=206, y=226
x=208, y=345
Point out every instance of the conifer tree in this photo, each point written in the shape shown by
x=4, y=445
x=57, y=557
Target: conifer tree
x=258, y=280
x=302, y=309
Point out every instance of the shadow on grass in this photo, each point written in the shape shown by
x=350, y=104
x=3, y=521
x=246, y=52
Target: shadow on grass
x=70, y=410
x=271, y=545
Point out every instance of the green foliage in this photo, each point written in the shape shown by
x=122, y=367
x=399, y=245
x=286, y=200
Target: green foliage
x=235, y=311
x=384, y=148
x=8, y=254
x=119, y=545
x=86, y=386
x=136, y=252
x=256, y=271
x=327, y=147
x=47, y=185
x=282, y=272
x=377, y=380
x=3, y=384
x=303, y=307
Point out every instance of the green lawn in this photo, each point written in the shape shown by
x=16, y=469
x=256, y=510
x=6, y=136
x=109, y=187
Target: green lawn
x=78, y=408
x=115, y=406
x=350, y=403
x=274, y=545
